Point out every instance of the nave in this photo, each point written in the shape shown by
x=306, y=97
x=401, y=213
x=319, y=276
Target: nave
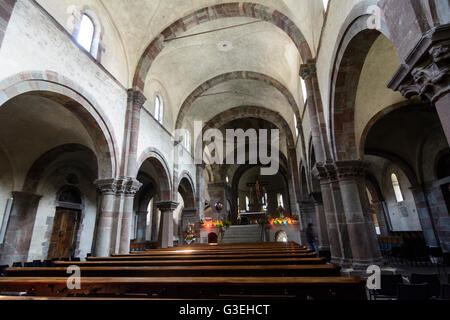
x=203, y=271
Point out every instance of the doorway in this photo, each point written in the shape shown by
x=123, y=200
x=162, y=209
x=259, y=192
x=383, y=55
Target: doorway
x=64, y=228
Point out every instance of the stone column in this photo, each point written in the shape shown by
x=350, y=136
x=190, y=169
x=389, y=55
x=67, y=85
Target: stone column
x=321, y=146
x=361, y=230
x=19, y=231
x=341, y=220
x=315, y=110
x=321, y=222
x=141, y=226
x=426, y=73
x=135, y=103
x=379, y=209
x=155, y=221
x=131, y=188
x=335, y=241
x=107, y=189
x=200, y=192
x=165, y=238
x=425, y=217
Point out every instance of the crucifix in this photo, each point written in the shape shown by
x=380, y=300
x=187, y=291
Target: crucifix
x=258, y=193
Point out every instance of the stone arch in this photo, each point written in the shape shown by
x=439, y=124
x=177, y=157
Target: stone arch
x=355, y=41
x=439, y=162
x=373, y=187
x=187, y=190
x=242, y=170
x=38, y=169
x=235, y=75
x=249, y=112
x=375, y=119
x=281, y=236
x=404, y=165
x=220, y=11
x=60, y=89
x=161, y=165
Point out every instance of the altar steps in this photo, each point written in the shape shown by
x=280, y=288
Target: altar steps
x=243, y=234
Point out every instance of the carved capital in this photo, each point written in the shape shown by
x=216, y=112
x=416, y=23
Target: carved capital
x=136, y=97
x=107, y=187
x=307, y=71
x=131, y=187
x=325, y=171
x=432, y=81
x=319, y=171
x=127, y=186
x=346, y=169
x=167, y=205
x=426, y=72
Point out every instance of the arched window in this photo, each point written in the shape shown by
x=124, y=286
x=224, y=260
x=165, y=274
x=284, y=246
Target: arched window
x=85, y=36
x=396, y=186
x=159, y=109
x=280, y=200
x=296, y=126
x=325, y=4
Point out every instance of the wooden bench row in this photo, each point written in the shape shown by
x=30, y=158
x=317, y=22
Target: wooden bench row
x=194, y=262
x=204, y=257
x=320, y=288
x=229, y=271
x=232, y=246
x=182, y=271
x=191, y=252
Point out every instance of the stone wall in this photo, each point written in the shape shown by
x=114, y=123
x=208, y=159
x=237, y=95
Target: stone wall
x=6, y=8
x=49, y=48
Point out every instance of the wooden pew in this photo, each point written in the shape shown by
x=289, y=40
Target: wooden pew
x=228, y=246
x=190, y=262
x=182, y=271
x=204, y=257
x=222, y=252
x=321, y=288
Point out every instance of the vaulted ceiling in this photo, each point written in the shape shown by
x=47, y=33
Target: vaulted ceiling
x=210, y=49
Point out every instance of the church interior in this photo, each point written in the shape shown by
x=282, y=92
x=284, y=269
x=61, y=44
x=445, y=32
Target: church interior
x=192, y=149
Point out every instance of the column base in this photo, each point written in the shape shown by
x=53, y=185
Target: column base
x=364, y=264
x=342, y=262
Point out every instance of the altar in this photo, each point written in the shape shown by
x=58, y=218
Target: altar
x=251, y=217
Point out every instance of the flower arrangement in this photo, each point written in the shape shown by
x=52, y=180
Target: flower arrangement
x=190, y=235
x=281, y=221
x=211, y=223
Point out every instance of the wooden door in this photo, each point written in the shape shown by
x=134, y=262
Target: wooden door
x=64, y=226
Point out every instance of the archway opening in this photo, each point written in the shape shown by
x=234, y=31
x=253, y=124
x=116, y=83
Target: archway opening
x=41, y=155
x=154, y=176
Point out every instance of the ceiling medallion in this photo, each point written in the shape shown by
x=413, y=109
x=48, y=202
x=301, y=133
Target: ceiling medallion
x=225, y=46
